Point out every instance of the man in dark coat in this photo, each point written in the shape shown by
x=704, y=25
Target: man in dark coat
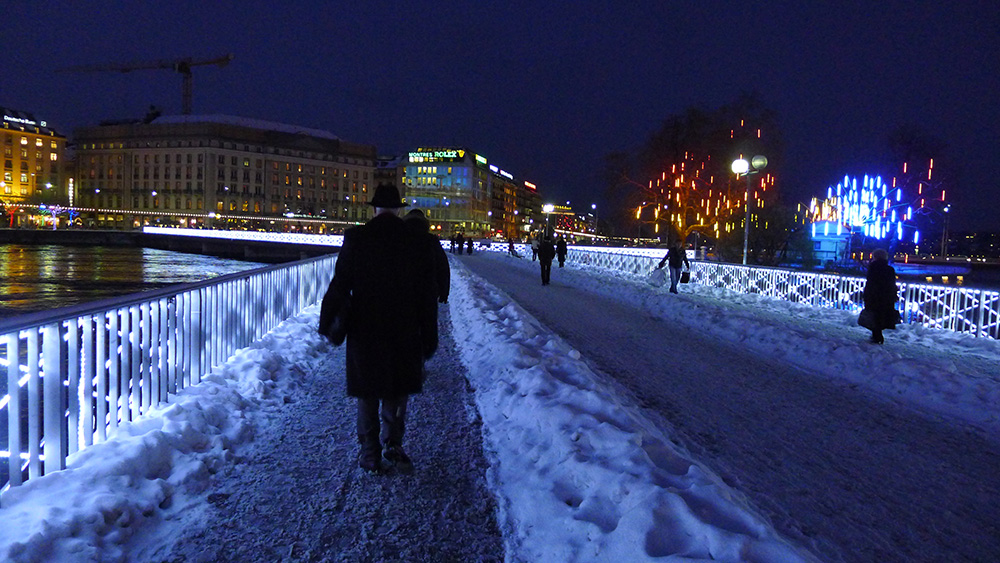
x=546, y=252
x=417, y=221
x=675, y=257
x=385, y=275
x=561, y=250
x=881, y=295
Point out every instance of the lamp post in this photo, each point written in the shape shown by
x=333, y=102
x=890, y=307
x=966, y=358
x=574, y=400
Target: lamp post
x=548, y=208
x=741, y=166
x=944, y=234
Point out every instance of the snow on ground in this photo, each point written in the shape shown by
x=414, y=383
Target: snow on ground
x=578, y=472
x=950, y=373
x=851, y=471
x=582, y=474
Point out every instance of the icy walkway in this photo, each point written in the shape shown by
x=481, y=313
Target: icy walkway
x=835, y=465
x=296, y=493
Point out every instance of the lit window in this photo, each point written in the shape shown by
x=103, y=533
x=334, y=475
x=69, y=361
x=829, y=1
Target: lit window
x=53, y=156
x=24, y=140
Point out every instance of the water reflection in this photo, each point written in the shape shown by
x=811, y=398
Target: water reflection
x=40, y=277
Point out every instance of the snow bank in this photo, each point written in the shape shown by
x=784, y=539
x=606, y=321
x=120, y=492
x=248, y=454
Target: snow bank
x=154, y=467
x=581, y=475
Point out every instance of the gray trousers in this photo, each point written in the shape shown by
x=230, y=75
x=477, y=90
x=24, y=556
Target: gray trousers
x=393, y=421
x=675, y=276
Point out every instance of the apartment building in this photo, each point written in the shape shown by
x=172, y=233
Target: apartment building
x=34, y=172
x=221, y=171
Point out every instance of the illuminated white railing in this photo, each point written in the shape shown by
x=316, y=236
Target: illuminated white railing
x=959, y=309
x=74, y=374
x=258, y=236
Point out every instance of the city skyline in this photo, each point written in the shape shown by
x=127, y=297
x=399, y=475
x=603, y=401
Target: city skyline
x=545, y=91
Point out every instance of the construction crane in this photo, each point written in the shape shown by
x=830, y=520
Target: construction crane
x=182, y=66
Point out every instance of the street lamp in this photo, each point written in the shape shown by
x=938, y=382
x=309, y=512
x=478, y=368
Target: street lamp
x=944, y=234
x=548, y=208
x=741, y=166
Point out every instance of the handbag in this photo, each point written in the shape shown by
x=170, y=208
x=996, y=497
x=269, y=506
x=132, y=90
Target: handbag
x=685, y=276
x=336, y=332
x=867, y=319
x=657, y=277
x=334, y=327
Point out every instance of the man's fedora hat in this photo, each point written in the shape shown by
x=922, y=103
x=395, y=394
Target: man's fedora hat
x=387, y=196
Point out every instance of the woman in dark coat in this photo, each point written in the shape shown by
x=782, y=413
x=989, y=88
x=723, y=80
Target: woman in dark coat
x=546, y=252
x=561, y=250
x=881, y=295
x=421, y=227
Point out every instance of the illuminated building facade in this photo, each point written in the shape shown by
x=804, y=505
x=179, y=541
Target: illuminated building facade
x=34, y=172
x=221, y=171
x=461, y=192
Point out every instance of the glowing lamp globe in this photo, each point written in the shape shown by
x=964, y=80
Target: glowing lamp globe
x=758, y=162
x=741, y=166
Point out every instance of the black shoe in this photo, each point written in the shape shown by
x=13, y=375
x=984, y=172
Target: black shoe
x=370, y=461
x=395, y=456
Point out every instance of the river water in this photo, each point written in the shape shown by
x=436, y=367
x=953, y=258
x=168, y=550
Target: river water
x=41, y=277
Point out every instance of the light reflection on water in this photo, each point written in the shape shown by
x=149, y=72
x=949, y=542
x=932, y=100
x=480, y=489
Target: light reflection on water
x=40, y=277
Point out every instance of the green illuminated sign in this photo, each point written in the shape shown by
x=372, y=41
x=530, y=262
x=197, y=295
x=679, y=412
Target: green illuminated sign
x=437, y=155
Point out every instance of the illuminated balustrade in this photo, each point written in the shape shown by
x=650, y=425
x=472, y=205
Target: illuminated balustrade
x=958, y=309
x=112, y=361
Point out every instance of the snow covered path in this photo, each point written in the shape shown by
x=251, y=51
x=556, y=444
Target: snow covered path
x=296, y=493
x=835, y=466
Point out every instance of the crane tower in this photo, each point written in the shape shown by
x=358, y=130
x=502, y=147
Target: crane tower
x=181, y=66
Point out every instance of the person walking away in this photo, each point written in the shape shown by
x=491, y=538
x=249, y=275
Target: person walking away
x=384, y=278
x=534, y=247
x=421, y=227
x=469, y=244
x=511, y=249
x=561, y=250
x=881, y=295
x=546, y=252
x=675, y=257
x=460, y=243
x=452, y=240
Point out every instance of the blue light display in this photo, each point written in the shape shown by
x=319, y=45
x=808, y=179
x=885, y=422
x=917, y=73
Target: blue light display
x=873, y=208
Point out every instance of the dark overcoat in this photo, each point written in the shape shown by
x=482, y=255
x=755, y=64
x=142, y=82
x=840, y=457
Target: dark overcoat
x=442, y=271
x=546, y=251
x=881, y=294
x=387, y=275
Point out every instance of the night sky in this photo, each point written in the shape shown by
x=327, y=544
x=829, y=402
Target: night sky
x=542, y=89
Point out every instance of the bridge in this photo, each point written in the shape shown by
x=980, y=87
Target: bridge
x=132, y=354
